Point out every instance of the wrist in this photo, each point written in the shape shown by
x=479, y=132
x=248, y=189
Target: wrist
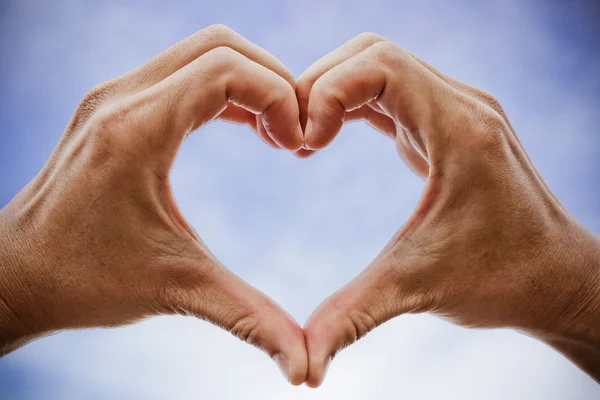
x=574, y=306
x=17, y=322
x=13, y=332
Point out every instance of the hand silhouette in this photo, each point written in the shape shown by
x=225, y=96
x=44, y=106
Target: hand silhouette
x=488, y=244
x=96, y=239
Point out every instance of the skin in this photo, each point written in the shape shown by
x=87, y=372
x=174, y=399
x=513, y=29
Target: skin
x=97, y=240
x=488, y=245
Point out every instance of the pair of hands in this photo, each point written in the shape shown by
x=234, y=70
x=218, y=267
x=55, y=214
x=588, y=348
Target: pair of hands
x=97, y=240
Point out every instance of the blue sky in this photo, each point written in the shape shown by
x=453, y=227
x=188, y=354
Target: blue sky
x=300, y=229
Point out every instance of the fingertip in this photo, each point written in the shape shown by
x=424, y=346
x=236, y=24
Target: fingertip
x=318, y=345
x=292, y=360
x=312, y=385
x=299, y=364
x=318, y=373
x=293, y=146
x=297, y=141
x=292, y=142
x=261, y=131
x=292, y=365
x=311, y=138
x=286, y=344
x=314, y=382
x=281, y=134
x=304, y=153
x=297, y=377
x=321, y=130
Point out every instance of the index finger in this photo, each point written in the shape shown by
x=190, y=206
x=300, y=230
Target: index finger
x=199, y=92
x=196, y=45
x=348, y=50
x=384, y=74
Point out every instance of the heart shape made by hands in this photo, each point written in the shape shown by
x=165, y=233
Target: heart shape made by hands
x=472, y=251
x=441, y=128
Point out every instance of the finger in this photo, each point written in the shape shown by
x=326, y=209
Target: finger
x=262, y=133
x=374, y=117
x=262, y=323
x=201, y=91
x=305, y=82
x=213, y=293
x=388, y=127
x=348, y=50
x=239, y=115
x=366, y=302
x=304, y=153
x=413, y=159
x=382, y=74
x=175, y=58
x=377, y=120
x=193, y=47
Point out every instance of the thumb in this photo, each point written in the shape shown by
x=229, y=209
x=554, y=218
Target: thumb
x=369, y=300
x=215, y=294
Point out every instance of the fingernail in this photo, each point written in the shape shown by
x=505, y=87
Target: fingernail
x=284, y=366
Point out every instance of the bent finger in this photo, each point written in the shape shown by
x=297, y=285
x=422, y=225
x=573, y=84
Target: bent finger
x=202, y=90
x=186, y=51
x=383, y=74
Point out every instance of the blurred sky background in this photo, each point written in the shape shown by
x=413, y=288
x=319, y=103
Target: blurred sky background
x=300, y=229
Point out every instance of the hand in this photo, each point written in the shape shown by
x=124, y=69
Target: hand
x=97, y=240
x=488, y=244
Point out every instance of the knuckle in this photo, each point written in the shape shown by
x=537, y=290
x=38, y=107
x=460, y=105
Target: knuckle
x=473, y=138
x=92, y=101
x=246, y=329
x=361, y=323
x=109, y=121
x=106, y=130
x=490, y=101
x=98, y=93
x=223, y=59
x=489, y=132
x=357, y=318
x=369, y=38
x=475, y=126
x=386, y=51
x=491, y=123
x=219, y=33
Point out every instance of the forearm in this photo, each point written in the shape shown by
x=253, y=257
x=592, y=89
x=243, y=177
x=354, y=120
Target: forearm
x=576, y=331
